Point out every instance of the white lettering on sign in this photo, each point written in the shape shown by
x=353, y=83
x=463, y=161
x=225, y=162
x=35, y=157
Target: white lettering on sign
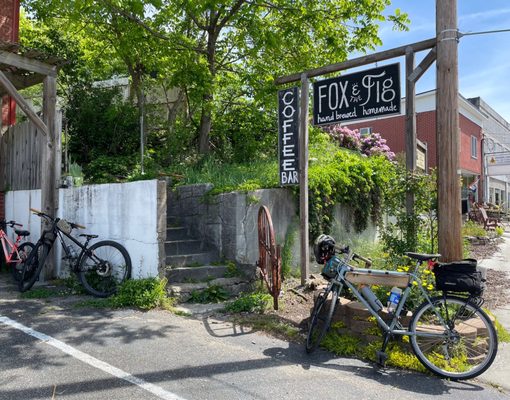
x=288, y=137
x=357, y=95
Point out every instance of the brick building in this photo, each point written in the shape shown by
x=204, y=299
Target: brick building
x=471, y=120
x=9, y=33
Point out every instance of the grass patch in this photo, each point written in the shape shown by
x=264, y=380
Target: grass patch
x=252, y=303
x=144, y=294
x=42, y=293
x=230, y=177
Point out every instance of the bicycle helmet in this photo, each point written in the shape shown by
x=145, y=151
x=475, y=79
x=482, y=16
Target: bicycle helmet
x=324, y=248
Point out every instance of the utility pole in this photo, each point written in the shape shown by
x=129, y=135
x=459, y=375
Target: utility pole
x=447, y=132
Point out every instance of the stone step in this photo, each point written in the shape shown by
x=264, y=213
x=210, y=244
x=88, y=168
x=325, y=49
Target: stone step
x=232, y=286
x=188, y=259
x=205, y=273
x=176, y=233
x=183, y=247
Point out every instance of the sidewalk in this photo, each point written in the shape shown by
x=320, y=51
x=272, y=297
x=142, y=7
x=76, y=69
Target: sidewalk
x=499, y=373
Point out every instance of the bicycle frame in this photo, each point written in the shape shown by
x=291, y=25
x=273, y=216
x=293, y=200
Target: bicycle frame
x=341, y=279
x=65, y=246
x=10, y=256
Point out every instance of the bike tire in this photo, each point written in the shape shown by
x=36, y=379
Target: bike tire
x=104, y=267
x=24, y=251
x=33, y=266
x=470, y=343
x=320, y=319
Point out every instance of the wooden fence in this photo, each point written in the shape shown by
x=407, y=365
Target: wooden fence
x=21, y=150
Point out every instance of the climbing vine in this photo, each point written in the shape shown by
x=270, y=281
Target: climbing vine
x=342, y=176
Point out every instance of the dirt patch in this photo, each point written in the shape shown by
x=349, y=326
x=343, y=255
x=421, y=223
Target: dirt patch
x=296, y=302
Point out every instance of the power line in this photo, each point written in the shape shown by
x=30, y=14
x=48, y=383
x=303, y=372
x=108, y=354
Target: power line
x=460, y=34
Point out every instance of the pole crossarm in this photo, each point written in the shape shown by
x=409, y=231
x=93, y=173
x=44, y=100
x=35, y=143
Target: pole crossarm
x=356, y=62
x=423, y=66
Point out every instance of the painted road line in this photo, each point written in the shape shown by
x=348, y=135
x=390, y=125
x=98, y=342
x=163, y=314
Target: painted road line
x=92, y=361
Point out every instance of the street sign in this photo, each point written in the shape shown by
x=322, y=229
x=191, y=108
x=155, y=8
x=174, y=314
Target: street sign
x=498, y=163
x=288, y=136
x=366, y=94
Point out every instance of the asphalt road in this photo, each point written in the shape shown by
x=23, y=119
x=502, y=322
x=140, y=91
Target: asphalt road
x=51, y=350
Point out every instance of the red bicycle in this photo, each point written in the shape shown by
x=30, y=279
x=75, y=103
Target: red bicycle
x=14, y=253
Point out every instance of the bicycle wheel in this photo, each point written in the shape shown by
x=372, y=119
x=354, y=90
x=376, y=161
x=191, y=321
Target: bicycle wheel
x=24, y=251
x=468, y=342
x=104, y=267
x=32, y=266
x=320, y=318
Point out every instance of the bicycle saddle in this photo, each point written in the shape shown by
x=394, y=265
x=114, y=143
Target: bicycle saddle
x=22, y=233
x=422, y=257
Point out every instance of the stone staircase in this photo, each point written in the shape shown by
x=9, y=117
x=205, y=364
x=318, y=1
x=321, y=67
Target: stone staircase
x=190, y=262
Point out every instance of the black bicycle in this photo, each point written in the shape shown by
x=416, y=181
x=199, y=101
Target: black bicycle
x=101, y=268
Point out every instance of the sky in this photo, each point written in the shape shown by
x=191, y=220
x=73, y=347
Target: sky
x=484, y=60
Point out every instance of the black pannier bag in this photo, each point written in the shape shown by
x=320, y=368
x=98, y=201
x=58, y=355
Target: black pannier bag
x=459, y=276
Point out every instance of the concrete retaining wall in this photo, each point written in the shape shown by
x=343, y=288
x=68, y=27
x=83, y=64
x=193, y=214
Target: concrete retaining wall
x=229, y=221
x=133, y=214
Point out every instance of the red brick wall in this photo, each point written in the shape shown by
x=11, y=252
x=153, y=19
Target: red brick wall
x=393, y=130
x=9, y=32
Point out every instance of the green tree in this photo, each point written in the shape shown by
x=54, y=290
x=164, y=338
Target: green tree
x=222, y=55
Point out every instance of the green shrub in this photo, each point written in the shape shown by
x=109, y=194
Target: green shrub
x=142, y=293
x=212, y=294
x=253, y=303
x=471, y=228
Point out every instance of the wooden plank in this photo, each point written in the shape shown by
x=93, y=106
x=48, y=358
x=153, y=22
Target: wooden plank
x=410, y=138
x=375, y=278
x=357, y=62
x=424, y=65
x=21, y=82
x=22, y=103
x=303, y=180
x=49, y=185
x=15, y=60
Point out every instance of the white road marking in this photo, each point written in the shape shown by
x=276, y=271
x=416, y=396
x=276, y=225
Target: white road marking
x=92, y=361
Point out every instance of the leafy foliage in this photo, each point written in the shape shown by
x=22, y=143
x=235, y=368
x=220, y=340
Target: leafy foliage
x=416, y=231
x=340, y=176
x=100, y=123
x=142, y=293
x=221, y=56
x=212, y=294
x=253, y=303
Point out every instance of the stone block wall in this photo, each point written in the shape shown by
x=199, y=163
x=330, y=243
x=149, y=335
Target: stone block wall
x=229, y=221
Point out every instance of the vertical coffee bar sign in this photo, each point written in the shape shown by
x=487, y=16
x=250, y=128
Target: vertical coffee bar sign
x=288, y=136
x=365, y=94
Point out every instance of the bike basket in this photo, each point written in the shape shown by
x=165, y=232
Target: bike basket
x=331, y=267
x=459, y=276
x=64, y=226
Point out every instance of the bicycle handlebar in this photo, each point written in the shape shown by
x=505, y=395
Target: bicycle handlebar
x=367, y=261
x=40, y=213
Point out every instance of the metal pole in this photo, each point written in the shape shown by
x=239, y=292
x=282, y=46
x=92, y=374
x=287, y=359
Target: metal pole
x=303, y=179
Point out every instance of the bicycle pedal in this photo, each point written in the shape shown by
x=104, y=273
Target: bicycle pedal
x=381, y=357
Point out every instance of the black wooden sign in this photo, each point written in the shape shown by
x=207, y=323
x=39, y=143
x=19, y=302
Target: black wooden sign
x=288, y=136
x=364, y=94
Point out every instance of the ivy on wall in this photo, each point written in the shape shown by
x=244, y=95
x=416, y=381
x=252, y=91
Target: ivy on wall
x=342, y=176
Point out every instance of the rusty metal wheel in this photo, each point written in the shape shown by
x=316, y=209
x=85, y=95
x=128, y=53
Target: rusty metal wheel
x=269, y=255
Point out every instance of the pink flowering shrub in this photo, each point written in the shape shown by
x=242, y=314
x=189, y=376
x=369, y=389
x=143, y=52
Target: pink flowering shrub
x=369, y=145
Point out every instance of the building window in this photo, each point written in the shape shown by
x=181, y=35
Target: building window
x=365, y=131
x=474, y=147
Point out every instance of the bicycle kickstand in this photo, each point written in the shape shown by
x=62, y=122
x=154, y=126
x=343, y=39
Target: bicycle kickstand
x=380, y=355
